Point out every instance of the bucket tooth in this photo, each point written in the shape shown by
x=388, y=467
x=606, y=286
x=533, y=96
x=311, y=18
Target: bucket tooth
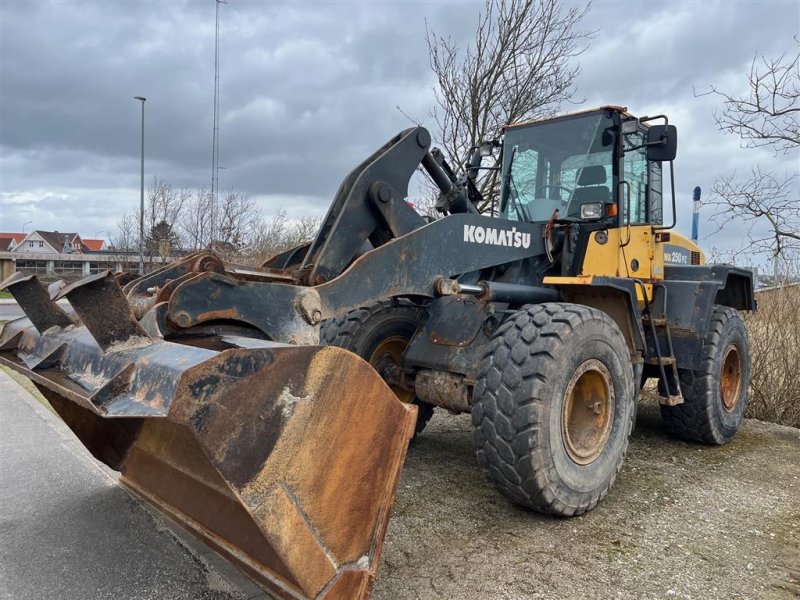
x=35, y=300
x=118, y=385
x=105, y=311
x=54, y=288
x=50, y=360
x=9, y=340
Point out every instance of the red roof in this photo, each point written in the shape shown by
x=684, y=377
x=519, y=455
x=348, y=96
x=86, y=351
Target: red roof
x=17, y=237
x=6, y=239
x=93, y=245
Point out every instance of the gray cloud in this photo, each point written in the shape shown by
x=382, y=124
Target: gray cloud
x=308, y=89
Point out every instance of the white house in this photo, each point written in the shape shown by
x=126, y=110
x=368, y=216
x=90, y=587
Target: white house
x=50, y=242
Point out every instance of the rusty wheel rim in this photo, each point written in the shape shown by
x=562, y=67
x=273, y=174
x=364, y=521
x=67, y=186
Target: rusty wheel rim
x=390, y=351
x=588, y=412
x=730, y=381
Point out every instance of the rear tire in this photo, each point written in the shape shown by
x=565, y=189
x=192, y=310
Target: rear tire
x=554, y=406
x=715, y=395
x=375, y=331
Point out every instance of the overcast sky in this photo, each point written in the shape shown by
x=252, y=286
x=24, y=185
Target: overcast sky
x=309, y=89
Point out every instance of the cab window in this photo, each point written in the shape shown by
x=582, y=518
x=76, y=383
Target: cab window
x=557, y=165
x=635, y=174
x=654, y=194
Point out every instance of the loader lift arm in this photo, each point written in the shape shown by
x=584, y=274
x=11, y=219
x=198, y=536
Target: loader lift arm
x=370, y=204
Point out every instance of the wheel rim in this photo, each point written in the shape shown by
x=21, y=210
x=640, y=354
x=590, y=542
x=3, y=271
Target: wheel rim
x=588, y=412
x=389, y=352
x=730, y=381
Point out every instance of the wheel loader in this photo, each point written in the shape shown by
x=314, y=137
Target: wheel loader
x=269, y=410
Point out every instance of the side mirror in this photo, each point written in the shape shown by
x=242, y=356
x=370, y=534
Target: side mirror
x=478, y=153
x=662, y=143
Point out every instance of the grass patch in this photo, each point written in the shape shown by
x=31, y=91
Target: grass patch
x=774, y=331
x=5, y=294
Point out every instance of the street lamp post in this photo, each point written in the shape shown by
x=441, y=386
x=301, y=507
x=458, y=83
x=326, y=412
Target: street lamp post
x=141, y=195
x=25, y=224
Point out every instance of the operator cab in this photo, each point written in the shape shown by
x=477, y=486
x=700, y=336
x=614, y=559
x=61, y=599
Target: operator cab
x=583, y=165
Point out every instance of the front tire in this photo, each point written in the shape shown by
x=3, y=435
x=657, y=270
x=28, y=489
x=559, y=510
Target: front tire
x=554, y=406
x=379, y=332
x=715, y=395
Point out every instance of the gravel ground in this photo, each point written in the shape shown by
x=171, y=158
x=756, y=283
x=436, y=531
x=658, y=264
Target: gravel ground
x=682, y=521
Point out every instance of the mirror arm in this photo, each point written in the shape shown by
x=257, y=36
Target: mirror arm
x=660, y=142
x=653, y=118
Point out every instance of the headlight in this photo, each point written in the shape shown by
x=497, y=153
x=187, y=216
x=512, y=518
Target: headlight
x=591, y=210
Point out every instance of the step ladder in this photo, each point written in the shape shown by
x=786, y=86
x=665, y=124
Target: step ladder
x=655, y=324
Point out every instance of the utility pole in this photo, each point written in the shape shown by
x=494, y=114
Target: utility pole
x=142, y=99
x=215, y=136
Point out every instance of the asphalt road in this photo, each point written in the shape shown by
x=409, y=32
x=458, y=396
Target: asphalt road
x=10, y=311
x=69, y=532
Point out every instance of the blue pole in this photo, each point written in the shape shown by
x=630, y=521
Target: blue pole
x=696, y=213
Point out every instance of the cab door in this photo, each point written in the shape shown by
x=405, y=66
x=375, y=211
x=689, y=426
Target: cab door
x=634, y=249
x=641, y=256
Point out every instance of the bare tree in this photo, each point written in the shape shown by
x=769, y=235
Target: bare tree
x=521, y=65
x=426, y=198
x=239, y=219
x=177, y=220
x=195, y=224
x=126, y=236
x=301, y=230
x=163, y=211
x=763, y=196
x=280, y=233
x=768, y=115
x=270, y=237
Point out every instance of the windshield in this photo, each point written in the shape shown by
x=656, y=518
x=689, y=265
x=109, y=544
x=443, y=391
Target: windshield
x=558, y=164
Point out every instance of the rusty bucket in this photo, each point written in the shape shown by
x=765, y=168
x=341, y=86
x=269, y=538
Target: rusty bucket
x=283, y=458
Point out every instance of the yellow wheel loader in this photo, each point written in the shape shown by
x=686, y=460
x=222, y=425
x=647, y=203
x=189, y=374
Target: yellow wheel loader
x=269, y=410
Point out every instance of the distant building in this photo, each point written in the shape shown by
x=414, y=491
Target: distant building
x=58, y=255
x=50, y=242
x=9, y=241
x=95, y=245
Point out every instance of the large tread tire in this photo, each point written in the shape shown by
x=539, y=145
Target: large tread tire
x=362, y=329
x=519, y=398
x=702, y=417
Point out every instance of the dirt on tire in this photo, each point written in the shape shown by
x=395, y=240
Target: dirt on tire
x=522, y=401
x=702, y=416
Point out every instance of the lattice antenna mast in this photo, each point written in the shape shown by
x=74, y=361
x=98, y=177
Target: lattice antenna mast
x=215, y=136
